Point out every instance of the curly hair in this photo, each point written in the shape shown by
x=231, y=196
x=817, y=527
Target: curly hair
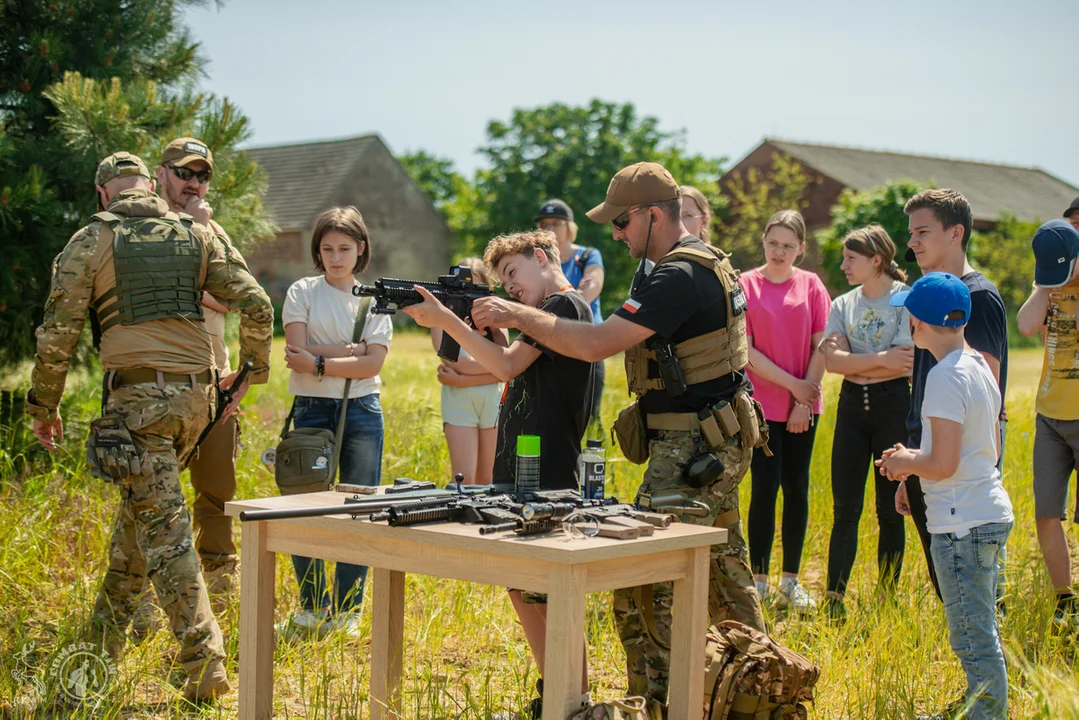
x=521, y=243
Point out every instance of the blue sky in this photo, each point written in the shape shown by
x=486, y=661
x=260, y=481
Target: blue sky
x=992, y=81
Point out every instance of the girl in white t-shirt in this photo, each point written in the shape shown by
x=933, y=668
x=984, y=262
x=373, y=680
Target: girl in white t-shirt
x=319, y=316
x=470, y=400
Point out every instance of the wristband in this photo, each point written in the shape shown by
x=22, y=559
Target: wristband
x=352, y=349
x=320, y=367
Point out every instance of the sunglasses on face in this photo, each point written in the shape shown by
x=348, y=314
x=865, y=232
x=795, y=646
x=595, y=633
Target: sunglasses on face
x=622, y=220
x=185, y=174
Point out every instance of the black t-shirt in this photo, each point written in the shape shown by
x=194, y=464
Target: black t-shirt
x=680, y=300
x=552, y=399
x=987, y=332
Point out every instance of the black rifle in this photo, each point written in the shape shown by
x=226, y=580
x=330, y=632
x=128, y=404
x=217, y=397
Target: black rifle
x=224, y=398
x=456, y=291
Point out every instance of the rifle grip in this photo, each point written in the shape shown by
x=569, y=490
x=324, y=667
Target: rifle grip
x=449, y=349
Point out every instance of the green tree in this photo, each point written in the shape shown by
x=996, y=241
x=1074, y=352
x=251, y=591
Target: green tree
x=752, y=199
x=882, y=205
x=81, y=80
x=572, y=153
x=1003, y=254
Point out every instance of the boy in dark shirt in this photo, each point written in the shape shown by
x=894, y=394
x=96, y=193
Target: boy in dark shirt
x=940, y=222
x=547, y=394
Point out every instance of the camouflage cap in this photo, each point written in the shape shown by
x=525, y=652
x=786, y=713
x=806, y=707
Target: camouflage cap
x=121, y=164
x=182, y=151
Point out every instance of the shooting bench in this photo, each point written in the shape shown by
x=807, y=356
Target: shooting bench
x=564, y=568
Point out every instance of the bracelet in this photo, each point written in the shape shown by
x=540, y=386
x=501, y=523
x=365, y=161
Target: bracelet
x=320, y=367
x=352, y=349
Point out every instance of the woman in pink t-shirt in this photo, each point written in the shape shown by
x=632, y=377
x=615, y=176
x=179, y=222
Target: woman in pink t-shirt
x=788, y=311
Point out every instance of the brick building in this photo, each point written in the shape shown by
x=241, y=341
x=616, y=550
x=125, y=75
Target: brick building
x=409, y=237
x=1030, y=193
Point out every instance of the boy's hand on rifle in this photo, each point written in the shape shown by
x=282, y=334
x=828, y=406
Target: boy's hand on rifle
x=494, y=312
x=430, y=312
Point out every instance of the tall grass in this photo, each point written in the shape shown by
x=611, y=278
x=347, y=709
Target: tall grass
x=465, y=655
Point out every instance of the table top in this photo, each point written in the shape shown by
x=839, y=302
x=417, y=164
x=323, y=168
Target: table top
x=550, y=547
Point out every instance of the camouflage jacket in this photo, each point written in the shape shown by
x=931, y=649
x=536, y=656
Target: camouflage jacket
x=225, y=276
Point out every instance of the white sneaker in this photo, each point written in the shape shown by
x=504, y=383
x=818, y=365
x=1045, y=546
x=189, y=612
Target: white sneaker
x=794, y=597
x=305, y=623
x=346, y=623
x=763, y=591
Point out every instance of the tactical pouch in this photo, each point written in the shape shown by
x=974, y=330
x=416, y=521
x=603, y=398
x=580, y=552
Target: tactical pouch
x=627, y=708
x=751, y=422
x=631, y=435
x=303, y=461
x=111, y=451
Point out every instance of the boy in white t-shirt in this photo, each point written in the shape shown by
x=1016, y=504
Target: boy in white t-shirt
x=968, y=511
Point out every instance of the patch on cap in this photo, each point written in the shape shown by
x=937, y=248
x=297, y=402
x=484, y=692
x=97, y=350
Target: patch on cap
x=194, y=147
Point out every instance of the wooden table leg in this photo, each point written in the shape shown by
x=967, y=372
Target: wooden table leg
x=565, y=633
x=256, y=624
x=690, y=622
x=387, y=651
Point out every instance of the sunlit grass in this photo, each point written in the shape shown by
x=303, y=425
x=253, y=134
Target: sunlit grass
x=465, y=655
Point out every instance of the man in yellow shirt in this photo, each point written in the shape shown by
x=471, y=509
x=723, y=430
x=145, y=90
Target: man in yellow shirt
x=1050, y=312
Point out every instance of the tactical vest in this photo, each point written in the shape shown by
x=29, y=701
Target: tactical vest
x=705, y=357
x=158, y=262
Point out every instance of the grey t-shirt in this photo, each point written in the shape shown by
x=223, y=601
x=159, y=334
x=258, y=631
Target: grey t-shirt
x=870, y=326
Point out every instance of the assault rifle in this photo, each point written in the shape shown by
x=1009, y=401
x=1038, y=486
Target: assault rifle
x=456, y=291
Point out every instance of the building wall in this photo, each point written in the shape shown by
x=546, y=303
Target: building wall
x=277, y=263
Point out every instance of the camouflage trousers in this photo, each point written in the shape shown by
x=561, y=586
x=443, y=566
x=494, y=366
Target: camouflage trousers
x=732, y=594
x=152, y=532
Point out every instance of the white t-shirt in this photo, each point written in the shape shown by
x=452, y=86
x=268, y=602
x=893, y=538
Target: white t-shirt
x=330, y=316
x=961, y=388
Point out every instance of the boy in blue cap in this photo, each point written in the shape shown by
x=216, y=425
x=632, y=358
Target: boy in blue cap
x=968, y=512
x=1050, y=312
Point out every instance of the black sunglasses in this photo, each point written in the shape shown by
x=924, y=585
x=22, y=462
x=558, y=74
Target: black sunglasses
x=622, y=220
x=185, y=174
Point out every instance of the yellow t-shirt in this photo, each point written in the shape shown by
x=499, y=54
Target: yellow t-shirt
x=1058, y=392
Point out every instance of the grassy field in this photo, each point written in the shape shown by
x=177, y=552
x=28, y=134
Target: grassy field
x=465, y=655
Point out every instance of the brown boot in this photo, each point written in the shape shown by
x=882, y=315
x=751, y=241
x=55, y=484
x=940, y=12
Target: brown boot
x=208, y=682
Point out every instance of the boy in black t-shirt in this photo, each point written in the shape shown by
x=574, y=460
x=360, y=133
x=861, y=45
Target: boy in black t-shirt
x=940, y=223
x=547, y=394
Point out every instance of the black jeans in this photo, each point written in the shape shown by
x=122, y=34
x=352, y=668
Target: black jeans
x=869, y=420
x=787, y=468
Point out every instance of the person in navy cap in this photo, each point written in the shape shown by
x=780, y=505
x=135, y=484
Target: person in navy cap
x=1072, y=214
x=968, y=512
x=1050, y=312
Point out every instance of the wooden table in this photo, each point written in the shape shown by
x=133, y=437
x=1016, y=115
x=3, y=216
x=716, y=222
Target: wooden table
x=564, y=568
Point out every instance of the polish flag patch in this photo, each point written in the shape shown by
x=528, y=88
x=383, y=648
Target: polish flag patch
x=631, y=305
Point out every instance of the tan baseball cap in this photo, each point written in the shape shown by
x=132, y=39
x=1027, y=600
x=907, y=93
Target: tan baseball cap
x=121, y=164
x=640, y=184
x=186, y=150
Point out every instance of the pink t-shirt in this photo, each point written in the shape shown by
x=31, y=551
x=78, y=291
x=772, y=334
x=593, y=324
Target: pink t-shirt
x=781, y=320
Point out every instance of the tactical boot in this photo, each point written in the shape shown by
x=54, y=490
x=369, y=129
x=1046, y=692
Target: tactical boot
x=146, y=620
x=208, y=682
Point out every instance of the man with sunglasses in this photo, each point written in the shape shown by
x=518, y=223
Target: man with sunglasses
x=683, y=330
x=184, y=176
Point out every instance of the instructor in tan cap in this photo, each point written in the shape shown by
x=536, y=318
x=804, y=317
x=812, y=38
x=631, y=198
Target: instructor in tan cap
x=683, y=332
x=184, y=175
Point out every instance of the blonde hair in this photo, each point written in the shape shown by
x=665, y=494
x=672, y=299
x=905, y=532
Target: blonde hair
x=572, y=231
x=874, y=241
x=522, y=243
x=688, y=191
x=790, y=219
x=479, y=270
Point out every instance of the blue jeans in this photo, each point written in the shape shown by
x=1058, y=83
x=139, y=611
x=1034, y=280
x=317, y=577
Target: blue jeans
x=361, y=464
x=968, y=571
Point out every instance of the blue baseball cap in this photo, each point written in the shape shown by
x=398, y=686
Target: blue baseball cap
x=1056, y=248
x=934, y=297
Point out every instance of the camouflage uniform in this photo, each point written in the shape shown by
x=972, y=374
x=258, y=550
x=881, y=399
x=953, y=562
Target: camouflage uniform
x=152, y=533
x=732, y=594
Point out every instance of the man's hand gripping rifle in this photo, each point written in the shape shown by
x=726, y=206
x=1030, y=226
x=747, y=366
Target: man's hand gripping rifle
x=456, y=291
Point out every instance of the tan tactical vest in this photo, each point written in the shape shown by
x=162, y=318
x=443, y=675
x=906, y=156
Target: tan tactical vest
x=158, y=262
x=705, y=357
